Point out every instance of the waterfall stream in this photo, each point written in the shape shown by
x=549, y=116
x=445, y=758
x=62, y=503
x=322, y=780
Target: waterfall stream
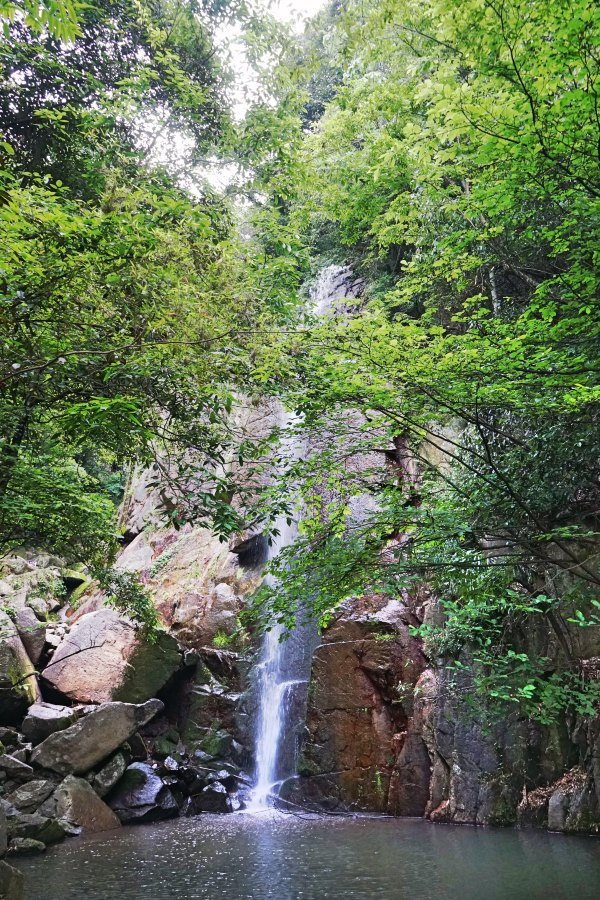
x=283, y=672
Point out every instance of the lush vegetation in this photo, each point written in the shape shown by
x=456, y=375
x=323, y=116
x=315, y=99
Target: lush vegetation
x=454, y=163
x=126, y=323
x=449, y=154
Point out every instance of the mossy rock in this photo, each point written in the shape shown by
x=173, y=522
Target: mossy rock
x=76, y=595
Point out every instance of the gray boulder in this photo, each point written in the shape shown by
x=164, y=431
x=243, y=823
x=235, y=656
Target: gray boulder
x=43, y=719
x=88, y=741
x=78, y=804
x=25, y=847
x=32, y=632
x=107, y=777
x=18, y=685
x=30, y=796
x=104, y=657
x=11, y=883
x=141, y=796
x=14, y=768
x=31, y=825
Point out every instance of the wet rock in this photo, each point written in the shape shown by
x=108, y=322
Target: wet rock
x=78, y=804
x=214, y=798
x=191, y=658
x=104, y=657
x=18, y=684
x=32, y=633
x=141, y=796
x=26, y=847
x=104, y=780
x=32, y=825
x=88, y=741
x=365, y=747
x=3, y=832
x=11, y=882
x=44, y=719
x=15, y=768
x=30, y=796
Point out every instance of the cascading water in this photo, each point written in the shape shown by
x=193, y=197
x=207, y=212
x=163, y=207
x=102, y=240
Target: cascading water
x=284, y=668
x=282, y=674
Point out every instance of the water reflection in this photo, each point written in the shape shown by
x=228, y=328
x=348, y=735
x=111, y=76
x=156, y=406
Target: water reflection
x=270, y=855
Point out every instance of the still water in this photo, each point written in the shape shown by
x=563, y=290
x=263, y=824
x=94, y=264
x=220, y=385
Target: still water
x=251, y=857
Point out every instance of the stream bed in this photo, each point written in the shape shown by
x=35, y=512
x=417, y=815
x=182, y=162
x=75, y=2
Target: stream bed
x=271, y=855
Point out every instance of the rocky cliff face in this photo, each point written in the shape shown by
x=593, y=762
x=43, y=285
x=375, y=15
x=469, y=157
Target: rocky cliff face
x=364, y=747
x=387, y=731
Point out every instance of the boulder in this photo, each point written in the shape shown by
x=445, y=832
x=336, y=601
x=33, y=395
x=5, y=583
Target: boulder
x=88, y=741
x=78, y=803
x=11, y=883
x=39, y=607
x=3, y=832
x=32, y=633
x=141, y=796
x=29, y=796
x=104, y=657
x=9, y=737
x=18, y=685
x=43, y=719
x=104, y=780
x=26, y=847
x=32, y=825
x=15, y=768
x=214, y=798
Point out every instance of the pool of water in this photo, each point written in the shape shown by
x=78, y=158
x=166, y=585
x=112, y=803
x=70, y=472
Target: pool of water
x=252, y=857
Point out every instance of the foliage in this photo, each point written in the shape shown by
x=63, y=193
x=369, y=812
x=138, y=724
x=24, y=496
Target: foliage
x=457, y=164
x=128, y=596
x=124, y=316
x=51, y=502
x=222, y=640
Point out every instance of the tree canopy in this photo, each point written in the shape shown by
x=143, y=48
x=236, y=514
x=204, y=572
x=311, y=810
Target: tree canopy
x=449, y=155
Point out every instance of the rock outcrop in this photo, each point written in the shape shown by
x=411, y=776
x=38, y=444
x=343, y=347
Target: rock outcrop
x=91, y=739
x=103, y=657
x=364, y=747
x=141, y=796
x=18, y=685
x=78, y=804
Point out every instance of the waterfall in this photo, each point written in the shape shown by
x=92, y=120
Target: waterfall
x=283, y=672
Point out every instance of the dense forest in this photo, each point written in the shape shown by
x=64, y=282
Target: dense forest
x=447, y=153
